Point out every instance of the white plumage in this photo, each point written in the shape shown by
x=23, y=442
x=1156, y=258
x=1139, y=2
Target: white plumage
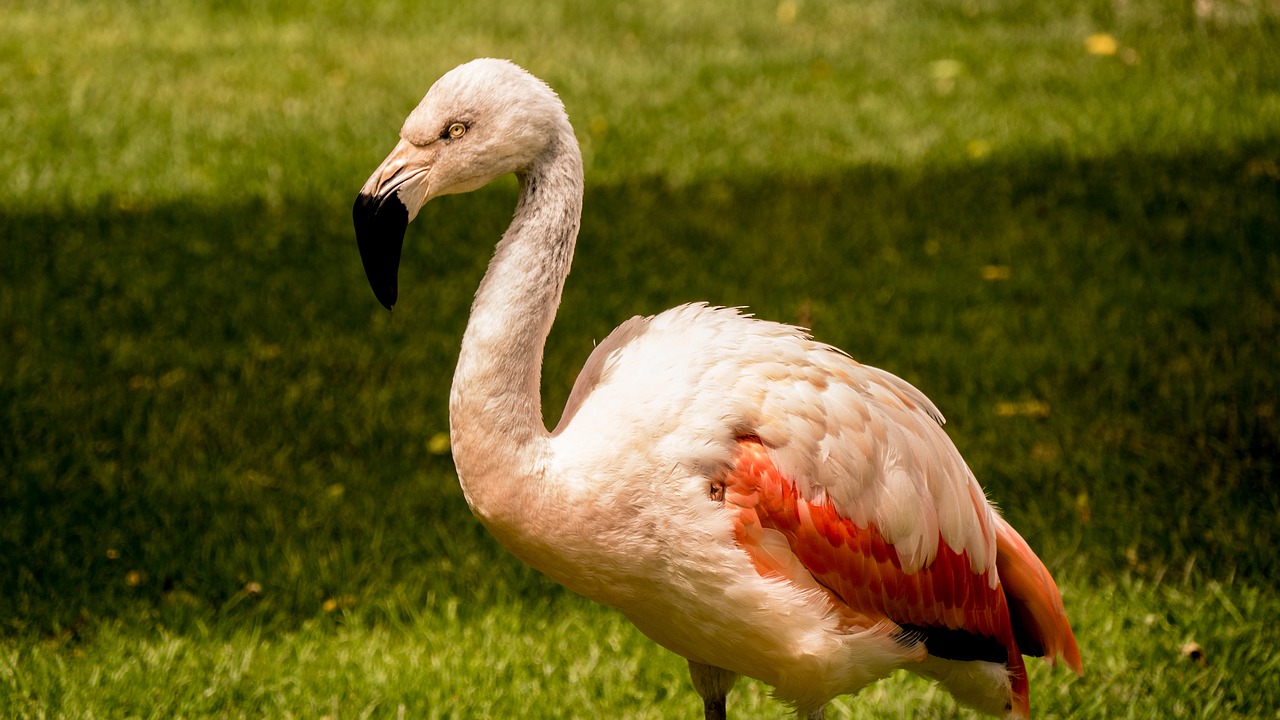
x=751, y=499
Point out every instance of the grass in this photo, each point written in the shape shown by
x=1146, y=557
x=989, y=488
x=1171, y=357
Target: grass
x=224, y=489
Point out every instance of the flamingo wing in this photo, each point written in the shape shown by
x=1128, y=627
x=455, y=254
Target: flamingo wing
x=851, y=466
x=957, y=613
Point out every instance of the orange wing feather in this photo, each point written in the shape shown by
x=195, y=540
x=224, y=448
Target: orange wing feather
x=1039, y=619
x=862, y=572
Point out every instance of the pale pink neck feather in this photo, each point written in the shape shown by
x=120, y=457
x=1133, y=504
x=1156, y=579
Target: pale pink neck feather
x=500, y=443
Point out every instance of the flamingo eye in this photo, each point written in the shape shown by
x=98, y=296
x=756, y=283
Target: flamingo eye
x=455, y=131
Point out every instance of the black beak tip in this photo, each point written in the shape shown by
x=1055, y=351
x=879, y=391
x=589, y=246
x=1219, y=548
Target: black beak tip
x=380, y=224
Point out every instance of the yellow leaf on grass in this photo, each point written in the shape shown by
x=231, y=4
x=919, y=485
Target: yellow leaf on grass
x=978, y=149
x=787, y=10
x=1101, y=44
x=1025, y=408
x=991, y=273
x=438, y=444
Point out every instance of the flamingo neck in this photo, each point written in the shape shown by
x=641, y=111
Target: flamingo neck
x=500, y=443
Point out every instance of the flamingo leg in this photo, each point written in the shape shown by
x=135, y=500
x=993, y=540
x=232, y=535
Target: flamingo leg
x=713, y=684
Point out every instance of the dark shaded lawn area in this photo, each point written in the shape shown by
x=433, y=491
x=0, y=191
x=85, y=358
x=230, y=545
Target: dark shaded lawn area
x=195, y=400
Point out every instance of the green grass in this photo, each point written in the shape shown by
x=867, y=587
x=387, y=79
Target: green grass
x=223, y=491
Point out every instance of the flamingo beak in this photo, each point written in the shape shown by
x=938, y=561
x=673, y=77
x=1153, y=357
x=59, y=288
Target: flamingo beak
x=380, y=225
x=383, y=209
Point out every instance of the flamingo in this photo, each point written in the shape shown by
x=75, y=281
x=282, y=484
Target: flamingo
x=753, y=500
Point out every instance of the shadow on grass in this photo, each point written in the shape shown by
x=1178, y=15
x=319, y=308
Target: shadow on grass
x=203, y=410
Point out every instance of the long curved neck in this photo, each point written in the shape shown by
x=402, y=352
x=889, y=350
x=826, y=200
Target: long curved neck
x=500, y=444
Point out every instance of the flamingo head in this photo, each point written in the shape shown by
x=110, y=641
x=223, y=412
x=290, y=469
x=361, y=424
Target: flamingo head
x=480, y=121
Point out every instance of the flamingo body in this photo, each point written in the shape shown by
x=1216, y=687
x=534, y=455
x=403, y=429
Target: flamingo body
x=753, y=500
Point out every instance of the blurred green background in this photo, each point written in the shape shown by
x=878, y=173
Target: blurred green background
x=226, y=487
